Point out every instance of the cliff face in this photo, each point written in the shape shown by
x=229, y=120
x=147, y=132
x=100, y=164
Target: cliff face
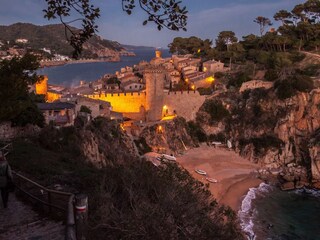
x=276, y=134
x=168, y=137
x=101, y=142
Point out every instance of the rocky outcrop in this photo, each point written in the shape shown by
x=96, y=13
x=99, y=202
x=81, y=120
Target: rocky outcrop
x=8, y=132
x=168, y=136
x=273, y=132
x=104, y=143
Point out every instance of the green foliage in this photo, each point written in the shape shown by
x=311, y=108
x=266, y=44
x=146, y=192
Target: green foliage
x=204, y=91
x=113, y=80
x=263, y=23
x=85, y=109
x=52, y=37
x=238, y=79
x=196, y=131
x=170, y=15
x=311, y=70
x=139, y=75
x=219, y=75
x=262, y=144
x=271, y=75
x=225, y=39
x=190, y=45
x=124, y=197
x=284, y=89
x=140, y=194
x=288, y=87
x=220, y=137
x=17, y=105
x=215, y=109
x=142, y=146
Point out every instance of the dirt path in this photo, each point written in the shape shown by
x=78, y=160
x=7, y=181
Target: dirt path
x=20, y=222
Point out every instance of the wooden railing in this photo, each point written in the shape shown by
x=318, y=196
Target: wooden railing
x=61, y=202
x=6, y=149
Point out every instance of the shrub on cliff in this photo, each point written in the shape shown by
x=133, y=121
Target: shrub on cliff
x=17, y=104
x=196, y=131
x=288, y=88
x=215, y=109
x=262, y=144
x=132, y=200
x=140, y=201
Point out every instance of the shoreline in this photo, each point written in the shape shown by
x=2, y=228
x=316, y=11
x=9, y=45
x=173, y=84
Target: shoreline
x=62, y=63
x=235, y=174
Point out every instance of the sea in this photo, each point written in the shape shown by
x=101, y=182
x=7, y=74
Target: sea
x=71, y=74
x=266, y=213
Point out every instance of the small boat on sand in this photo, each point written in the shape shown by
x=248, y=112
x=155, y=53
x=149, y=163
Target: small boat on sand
x=212, y=180
x=169, y=157
x=201, y=172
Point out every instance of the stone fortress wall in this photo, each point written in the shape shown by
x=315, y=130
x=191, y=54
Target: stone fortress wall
x=123, y=102
x=185, y=104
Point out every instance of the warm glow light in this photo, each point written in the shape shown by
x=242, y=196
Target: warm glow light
x=166, y=118
x=210, y=79
x=193, y=87
x=159, y=129
x=199, y=50
x=165, y=107
x=205, y=69
x=187, y=80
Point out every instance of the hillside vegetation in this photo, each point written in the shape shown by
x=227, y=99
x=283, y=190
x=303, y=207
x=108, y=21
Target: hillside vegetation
x=129, y=198
x=51, y=37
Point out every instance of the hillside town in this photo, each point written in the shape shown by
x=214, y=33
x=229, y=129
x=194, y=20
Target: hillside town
x=124, y=94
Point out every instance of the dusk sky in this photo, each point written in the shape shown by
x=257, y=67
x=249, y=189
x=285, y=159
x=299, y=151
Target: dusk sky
x=206, y=19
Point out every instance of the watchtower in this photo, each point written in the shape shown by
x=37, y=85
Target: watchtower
x=154, y=77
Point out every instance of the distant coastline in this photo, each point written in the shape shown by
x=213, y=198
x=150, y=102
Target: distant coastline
x=61, y=63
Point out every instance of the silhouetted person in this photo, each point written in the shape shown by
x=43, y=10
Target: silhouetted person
x=5, y=177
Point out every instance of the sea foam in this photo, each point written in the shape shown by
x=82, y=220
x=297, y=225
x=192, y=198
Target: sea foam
x=246, y=213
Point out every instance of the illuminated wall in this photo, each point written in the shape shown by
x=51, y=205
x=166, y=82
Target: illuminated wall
x=52, y=96
x=185, y=104
x=42, y=87
x=123, y=102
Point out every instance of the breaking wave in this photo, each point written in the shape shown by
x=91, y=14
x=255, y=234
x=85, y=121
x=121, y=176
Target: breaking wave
x=247, y=212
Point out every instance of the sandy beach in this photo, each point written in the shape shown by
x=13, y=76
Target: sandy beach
x=235, y=174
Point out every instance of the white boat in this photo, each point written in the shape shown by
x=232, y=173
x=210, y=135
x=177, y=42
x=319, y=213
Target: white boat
x=169, y=157
x=201, y=172
x=212, y=180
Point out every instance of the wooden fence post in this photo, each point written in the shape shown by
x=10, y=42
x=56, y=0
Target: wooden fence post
x=81, y=216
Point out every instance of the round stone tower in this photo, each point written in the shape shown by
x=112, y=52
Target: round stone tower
x=154, y=77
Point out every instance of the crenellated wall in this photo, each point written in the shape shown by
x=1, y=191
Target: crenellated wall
x=185, y=104
x=123, y=102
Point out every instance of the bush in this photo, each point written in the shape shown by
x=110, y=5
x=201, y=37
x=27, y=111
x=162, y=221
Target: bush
x=303, y=83
x=219, y=75
x=288, y=88
x=205, y=91
x=196, y=131
x=238, y=79
x=271, y=75
x=262, y=144
x=284, y=89
x=311, y=70
x=296, y=57
x=216, y=110
x=85, y=109
x=142, y=146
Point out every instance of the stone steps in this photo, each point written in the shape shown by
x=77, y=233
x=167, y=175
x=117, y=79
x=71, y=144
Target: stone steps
x=20, y=222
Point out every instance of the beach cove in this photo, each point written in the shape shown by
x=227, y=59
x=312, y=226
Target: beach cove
x=234, y=173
